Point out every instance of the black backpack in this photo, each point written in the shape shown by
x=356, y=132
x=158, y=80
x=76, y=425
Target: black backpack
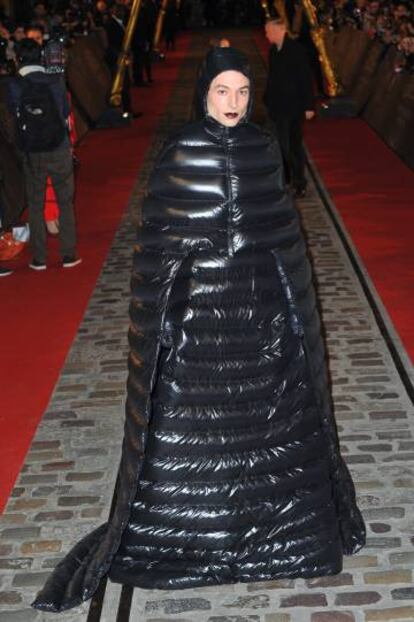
x=40, y=126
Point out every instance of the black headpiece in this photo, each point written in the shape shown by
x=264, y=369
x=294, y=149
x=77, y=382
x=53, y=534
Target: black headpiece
x=219, y=60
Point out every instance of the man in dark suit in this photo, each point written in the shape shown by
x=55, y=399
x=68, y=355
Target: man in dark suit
x=289, y=100
x=142, y=45
x=115, y=31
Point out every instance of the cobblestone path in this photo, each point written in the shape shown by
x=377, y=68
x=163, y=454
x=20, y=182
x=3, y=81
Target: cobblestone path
x=66, y=485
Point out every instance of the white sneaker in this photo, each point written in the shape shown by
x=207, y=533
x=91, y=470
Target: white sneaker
x=70, y=262
x=37, y=265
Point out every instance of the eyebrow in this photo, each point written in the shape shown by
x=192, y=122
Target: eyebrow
x=224, y=86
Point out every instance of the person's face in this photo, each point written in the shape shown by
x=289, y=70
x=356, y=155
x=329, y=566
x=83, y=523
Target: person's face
x=224, y=43
x=40, y=10
x=4, y=32
x=374, y=8
x=101, y=6
x=275, y=33
x=228, y=97
x=36, y=35
x=400, y=11
x=19, y=33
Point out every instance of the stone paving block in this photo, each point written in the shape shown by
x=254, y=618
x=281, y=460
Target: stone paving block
x=26, y=579
x=50, y=562
x=280, y=584
x=20, y=533
x=403, y=593
x=394, y=613
x=178, y=605
x=249, y=602
x=357, y=598
x=42, y=546
x=5, y=549
x=16, y=563
x=53, y=517
x=379, y=527
x=10, y=518
x=304, y=600
x=397, y=559
x=331, y=581
x=277, y=617
x=361, y=561
x=10, y=598
x=26, y=615
x=388, y=577
x=332, y=616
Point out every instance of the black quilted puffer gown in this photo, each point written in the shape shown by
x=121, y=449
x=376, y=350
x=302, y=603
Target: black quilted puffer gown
x=230, y=468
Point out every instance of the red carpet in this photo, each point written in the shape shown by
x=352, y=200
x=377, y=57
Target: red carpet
x=40, y=312
x=373, y=190
x=374, y=193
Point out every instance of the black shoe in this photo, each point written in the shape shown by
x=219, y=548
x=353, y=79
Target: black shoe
x=37, y=265
x=300, y=192
x=5, y=271
x=141, y=84
x=71, y=262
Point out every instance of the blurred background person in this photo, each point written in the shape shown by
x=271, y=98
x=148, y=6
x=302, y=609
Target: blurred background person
x=289, y=100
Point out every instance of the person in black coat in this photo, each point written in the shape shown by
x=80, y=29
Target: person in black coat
x=289, y=99
x=142, y=45
x=170, y=26
x=115, y=31
x=230, y=468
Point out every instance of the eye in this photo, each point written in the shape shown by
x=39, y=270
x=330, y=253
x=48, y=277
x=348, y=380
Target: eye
x=221, y=91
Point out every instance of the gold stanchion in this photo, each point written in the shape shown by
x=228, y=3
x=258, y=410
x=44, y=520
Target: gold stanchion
x=318, y=39
x=115, y=98
x=158, y=27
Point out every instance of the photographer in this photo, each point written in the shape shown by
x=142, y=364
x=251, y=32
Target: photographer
x=40, y=105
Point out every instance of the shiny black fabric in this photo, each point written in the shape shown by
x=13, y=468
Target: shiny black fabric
x=230, y=467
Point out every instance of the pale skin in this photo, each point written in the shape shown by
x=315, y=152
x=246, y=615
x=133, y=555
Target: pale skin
x=275, y=33
x=228, y=97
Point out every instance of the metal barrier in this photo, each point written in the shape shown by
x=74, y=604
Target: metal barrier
x=354, y=58
x=383, y=95
x=398, y=131
x=364, y=84
x=89, y=81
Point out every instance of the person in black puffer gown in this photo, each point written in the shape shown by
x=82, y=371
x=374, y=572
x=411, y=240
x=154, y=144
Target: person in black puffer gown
x=230, y=469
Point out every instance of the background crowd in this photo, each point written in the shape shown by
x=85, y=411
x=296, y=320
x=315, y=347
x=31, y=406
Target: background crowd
x=67, y=20
x=392, y=22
